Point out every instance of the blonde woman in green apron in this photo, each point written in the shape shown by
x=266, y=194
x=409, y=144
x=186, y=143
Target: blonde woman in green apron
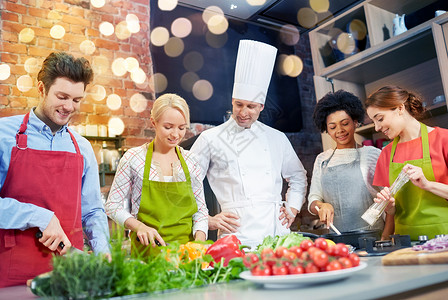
x=341, y=186
x=156, y=192
x=421, y=206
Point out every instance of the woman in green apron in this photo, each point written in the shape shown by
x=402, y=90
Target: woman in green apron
x=420, y=207
x=341, y=186
x=157, y=192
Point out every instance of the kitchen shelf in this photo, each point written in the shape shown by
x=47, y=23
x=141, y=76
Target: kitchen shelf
x=416, y=59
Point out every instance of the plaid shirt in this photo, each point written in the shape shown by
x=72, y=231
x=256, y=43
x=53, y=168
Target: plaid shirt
x=125, y=194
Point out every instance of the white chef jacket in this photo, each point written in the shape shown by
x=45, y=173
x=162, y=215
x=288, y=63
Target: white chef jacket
x=245, y=169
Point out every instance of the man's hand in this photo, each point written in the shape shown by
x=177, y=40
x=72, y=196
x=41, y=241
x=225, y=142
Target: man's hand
x=225, y=221
x=53, y=235
x=286, y=217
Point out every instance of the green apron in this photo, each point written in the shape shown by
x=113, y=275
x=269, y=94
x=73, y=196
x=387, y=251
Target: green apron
x=166, y=206
x=418, y=212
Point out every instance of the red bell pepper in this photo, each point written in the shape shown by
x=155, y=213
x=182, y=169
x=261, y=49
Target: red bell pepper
x=227, y=247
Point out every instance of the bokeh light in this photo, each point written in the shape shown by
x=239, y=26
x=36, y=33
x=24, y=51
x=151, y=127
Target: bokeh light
x=210, y=12
x=5, y=71
x=307, y=17
x=256, y=2
x=113, y=101
x=181, y=27
x=98, y=92
x=202, y=90
x=289, y=35
x=167, y=5
x=98, y=3
x=158, y=82
x=26, y=35
x=217, y=24
x=193, y=61
x=119, y=66
x=159, y=36
x=57, y=32
x=138, y=76
x=346, y=43
x=133, y=23
x=188, y=80
x=106, y=28
x=131, y=64
x=320, y=6
x=54, y=15
x=174, y=47
x=358, y=29
x=32, y=65
x=24, y=83
x=115, y=126
x=121, y=30
x=216, y=41
x=292, y=65
x=138, y=102
x=87, y=47
x=100, y=65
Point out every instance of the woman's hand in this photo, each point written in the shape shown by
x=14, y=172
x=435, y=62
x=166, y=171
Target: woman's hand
x=416, y=176
x=287, y=218
x=384, y=195
x=199, y=236
x=326, y=213
x=148, y=235
x=225, y=221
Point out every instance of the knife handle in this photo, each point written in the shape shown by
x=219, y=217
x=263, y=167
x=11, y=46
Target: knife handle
x=39, y=235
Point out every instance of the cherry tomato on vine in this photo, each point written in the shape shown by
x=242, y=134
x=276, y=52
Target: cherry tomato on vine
x=297, y=250
x=320, y=258
x=250, y=259
x=279, y=269
x=311, y=268
x=321, y=243
x=341, y=250
x=334, y=265
x=354, y=259
x=281, y=251
x=262, y=270
x=296, y=269
x=345, y=262
x=306, y=244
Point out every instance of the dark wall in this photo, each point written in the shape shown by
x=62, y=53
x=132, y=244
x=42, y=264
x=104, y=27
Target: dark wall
x=283, y=106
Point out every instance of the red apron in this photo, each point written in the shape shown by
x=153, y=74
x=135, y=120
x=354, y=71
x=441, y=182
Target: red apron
x=49, y=179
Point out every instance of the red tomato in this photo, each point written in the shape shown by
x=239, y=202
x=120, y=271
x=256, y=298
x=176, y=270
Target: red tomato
x=331, y=250
x=320, y=258
x=305, y=256
x=354, y=259
x=311, y=268
x=297, y=250
x=312, y=249
x=321, y=243
x=267, y=254
x=281, y=251
x=334, y=265
x=296, y=269
x=306, y=244
x=341, y=250
x=279, y=269
x=250, y=259
x=345, y=262
x=262, y=270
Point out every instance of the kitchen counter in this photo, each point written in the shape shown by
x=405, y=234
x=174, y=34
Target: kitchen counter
x=375, y=281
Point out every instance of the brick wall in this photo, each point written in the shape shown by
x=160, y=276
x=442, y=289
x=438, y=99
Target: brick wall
x=80, y=21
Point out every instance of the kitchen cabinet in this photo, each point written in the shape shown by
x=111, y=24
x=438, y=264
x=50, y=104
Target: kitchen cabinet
x=416, y=59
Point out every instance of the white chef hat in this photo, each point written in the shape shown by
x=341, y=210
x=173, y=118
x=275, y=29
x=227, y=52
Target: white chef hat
x=253, y=71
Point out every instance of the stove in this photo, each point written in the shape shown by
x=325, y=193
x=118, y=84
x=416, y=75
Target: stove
x=369, y=246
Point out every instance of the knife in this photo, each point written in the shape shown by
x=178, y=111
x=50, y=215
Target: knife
x=61, y=244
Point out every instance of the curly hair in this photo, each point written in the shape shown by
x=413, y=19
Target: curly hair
x=391, y=97
x=337, y=101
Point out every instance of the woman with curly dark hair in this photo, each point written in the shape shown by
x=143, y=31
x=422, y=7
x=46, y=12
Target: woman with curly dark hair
x=420, y=207
x=341, y=186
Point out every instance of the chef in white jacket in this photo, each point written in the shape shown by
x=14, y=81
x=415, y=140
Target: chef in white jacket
x=246, y=161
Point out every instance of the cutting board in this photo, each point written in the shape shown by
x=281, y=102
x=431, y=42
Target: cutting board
x=407, y=256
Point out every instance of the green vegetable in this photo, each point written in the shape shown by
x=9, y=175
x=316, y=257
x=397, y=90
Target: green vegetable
x=288, y=240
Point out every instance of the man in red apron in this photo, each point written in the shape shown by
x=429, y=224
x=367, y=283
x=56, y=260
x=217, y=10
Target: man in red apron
x=49, y=184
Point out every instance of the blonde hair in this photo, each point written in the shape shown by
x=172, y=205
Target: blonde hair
x=166, y=101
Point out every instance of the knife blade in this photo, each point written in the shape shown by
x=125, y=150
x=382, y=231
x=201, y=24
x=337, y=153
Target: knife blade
x=61, y=244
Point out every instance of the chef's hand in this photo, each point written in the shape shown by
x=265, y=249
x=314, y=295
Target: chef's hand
x=148, y=235
x=384, y=195
x=53, y=235
x=326, y=213
x=225, y=221
x=416, y=176
x=286, y=217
